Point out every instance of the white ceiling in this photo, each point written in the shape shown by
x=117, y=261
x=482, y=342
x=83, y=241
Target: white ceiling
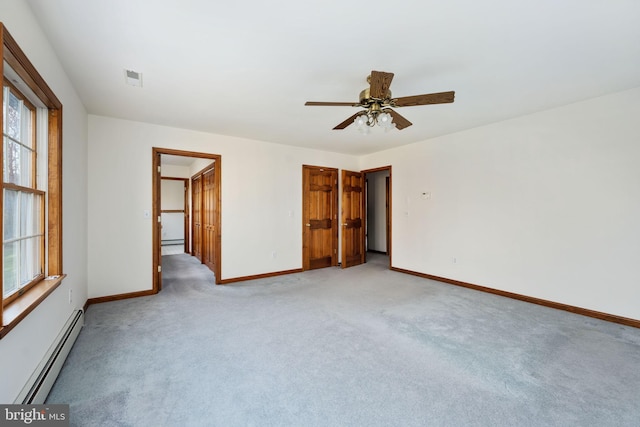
x=246, y=68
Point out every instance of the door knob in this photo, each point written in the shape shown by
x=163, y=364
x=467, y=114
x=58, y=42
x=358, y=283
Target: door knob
x=344, y=223
x=308, y=225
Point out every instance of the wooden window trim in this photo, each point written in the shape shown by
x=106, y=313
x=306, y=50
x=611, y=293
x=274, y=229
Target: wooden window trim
x=15, y=311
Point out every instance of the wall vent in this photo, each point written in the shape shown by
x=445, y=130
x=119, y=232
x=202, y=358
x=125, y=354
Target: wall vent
x=133, y=78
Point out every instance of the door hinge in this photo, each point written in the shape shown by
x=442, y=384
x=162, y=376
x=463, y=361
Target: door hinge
x=159, y=269
x=159, y=219
x=158, y=169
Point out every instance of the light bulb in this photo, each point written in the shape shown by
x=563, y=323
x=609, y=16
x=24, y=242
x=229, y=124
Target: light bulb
x=364, y=130
x=385, y=120
x=389, y=126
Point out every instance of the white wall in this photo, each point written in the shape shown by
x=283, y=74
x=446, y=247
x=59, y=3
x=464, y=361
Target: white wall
x=172, y=220
x=545, y=205
x=172, y=194
x=23, y=348
x=172, y=198
x=172, y=226
x=261, y=184
x=175, y=171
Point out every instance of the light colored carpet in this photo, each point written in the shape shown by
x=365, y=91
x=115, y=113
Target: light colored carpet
x=173, y=249
x=363, y=346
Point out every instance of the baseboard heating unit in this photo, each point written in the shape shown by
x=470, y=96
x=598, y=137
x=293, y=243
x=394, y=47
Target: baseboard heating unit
x=37, y=388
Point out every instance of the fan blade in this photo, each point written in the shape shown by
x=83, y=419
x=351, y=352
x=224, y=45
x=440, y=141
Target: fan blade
x=347, y=122
x=400, y=121
x=430, y=98
x=379, y=84
x=330, y=104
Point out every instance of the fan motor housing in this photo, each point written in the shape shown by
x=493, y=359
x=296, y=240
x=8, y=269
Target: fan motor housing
x=365, y=96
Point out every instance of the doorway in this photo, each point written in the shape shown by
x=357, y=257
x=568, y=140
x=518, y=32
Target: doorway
x=174, y=214
x=378, y=211
x=215, y=218
x=365, y=217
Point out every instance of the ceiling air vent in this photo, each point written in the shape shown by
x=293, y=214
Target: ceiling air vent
x=133, y=78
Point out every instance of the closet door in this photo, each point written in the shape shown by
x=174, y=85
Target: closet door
x=196, y=198
x=208, y=218
x=319, y=217
x=352, y=218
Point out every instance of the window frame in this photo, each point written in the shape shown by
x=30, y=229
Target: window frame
x=19, y=307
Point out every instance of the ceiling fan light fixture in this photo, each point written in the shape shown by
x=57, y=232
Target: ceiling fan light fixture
x=373, y=116
x=386, y=122
x=379, y=105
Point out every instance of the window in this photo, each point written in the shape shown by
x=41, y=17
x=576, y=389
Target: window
x=31, y=208
x=23, y=202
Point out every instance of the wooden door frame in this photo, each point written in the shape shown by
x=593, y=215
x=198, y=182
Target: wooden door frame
x=156, y=208
x=380, y=169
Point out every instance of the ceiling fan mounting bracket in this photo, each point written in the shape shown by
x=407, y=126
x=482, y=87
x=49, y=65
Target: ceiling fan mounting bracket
x=366, y=99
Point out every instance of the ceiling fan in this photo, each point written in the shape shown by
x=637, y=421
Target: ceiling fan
x=378, y=104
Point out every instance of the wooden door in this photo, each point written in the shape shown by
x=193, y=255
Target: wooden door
x=352, y=218
x=319, y=217
x=196, y=207
x=208, y=218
